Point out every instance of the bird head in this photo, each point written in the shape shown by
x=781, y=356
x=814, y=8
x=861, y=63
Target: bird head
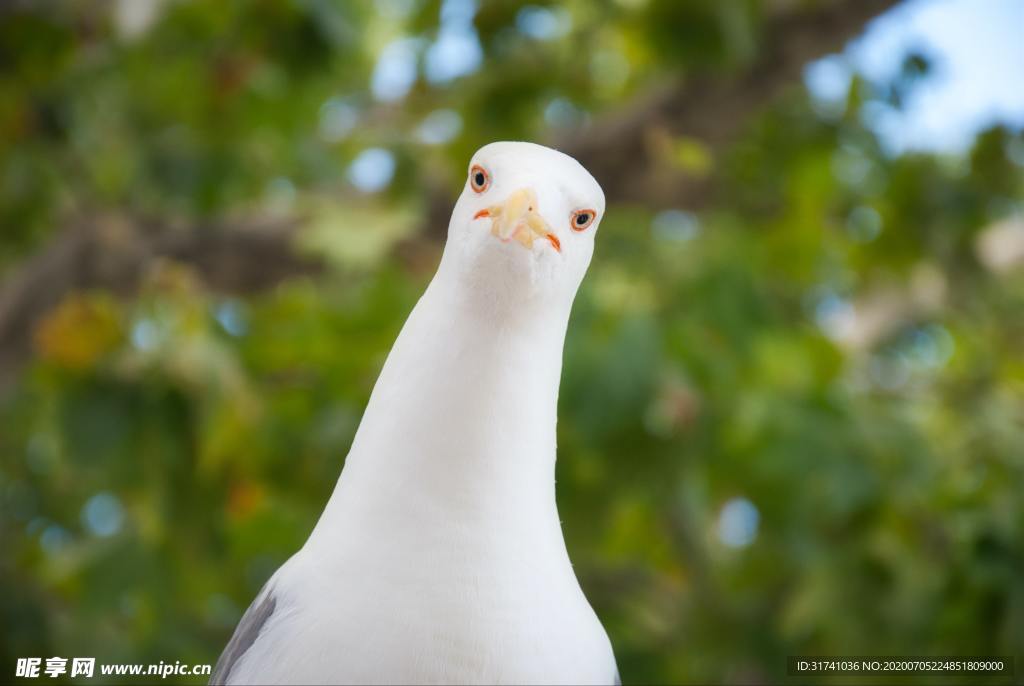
x=523, y=228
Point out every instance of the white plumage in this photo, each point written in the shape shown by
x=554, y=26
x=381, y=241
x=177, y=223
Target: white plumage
x=439, y=558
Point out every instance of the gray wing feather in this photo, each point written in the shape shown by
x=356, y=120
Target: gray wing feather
x=245, y=635
x=618, y=679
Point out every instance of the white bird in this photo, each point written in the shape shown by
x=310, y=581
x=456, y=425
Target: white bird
x=439, y=557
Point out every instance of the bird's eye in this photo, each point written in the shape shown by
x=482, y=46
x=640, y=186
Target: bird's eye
x=581, y=219
x=479, y=179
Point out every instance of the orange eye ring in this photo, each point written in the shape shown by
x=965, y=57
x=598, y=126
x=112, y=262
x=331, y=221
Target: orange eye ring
x=582, y=219
x=479, y=179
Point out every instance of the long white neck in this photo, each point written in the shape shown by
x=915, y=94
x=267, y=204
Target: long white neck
x=460, y=427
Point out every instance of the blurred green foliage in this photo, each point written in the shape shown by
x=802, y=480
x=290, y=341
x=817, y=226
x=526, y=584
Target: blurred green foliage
x=791, y=424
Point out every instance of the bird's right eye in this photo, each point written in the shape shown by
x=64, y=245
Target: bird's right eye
x=479, y=179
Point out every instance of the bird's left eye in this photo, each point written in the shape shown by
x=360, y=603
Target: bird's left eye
x=479, y=179
x=581, y=219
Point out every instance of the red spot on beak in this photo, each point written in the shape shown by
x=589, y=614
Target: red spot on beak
x=481, y=214
x=555, y=243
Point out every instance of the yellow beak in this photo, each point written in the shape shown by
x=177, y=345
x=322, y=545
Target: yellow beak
x=517, y=219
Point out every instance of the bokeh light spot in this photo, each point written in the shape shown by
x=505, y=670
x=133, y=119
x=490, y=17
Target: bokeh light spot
x=440, y=126
x=675, y=225
x=103, y=515
x=372, y=170
x=738, y=522
x=543, y=23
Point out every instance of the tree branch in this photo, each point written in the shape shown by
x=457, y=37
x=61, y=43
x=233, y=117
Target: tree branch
x=115, y=255
x=625, y=151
